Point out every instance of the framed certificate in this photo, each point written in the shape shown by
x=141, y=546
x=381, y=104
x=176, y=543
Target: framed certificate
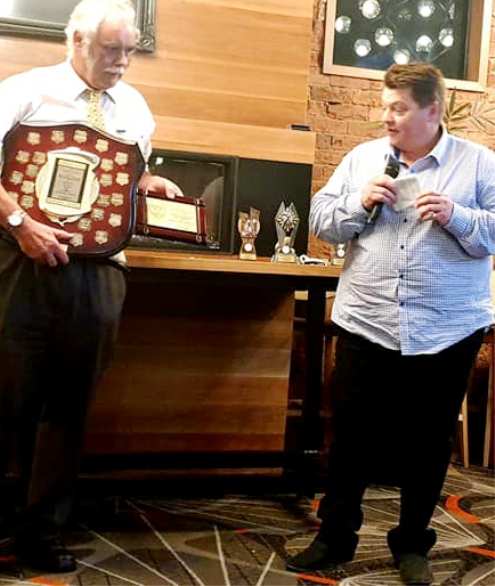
x=180, y=218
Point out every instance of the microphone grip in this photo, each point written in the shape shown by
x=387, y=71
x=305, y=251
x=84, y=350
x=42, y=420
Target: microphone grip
x=392, y=170
x=375, y=212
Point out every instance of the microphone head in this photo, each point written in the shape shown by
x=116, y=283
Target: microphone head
x=392, y=166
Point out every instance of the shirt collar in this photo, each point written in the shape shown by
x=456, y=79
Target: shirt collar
x=439, y=152
x=74, y=86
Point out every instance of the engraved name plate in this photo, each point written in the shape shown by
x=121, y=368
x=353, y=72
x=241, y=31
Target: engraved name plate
x=67, y=185
x=172, y=215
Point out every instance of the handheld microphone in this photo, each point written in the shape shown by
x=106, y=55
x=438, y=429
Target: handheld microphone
x=392, y=168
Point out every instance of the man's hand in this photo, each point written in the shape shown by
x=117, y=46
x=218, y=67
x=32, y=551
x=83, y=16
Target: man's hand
x=432, y=206
x=159, y=184
x=378, y=190
x=42, y=243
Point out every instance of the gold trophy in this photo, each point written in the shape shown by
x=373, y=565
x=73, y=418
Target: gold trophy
x=249, y=227
x=286, y=224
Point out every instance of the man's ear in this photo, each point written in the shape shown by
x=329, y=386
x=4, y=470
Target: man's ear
x=78, y=39
x=435, y=111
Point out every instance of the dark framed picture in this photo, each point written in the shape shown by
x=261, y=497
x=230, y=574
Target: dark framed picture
x=48, y=19
x=364, y=37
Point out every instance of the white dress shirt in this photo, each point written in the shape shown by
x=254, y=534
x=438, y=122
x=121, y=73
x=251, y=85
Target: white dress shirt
x=407, y=284
x=55, y=94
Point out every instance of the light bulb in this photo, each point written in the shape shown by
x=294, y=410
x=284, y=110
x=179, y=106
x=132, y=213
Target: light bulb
x=424, y=44
x=446, y=37
x=402, y=56
x=426, y=8
x=370, y=8
x=362, y=47
x=343, y=24
x=384, y=36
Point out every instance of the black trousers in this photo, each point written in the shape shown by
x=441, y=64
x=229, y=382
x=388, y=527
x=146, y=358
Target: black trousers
x=57, y=331
x=395, y=418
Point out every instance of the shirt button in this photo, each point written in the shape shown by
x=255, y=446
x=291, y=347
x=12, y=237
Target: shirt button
x=405, y=220
x=401, y=276
x=402, y=247
x=401, y=303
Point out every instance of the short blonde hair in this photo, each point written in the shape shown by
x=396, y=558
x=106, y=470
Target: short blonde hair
x=88, y=15
x=425, y=81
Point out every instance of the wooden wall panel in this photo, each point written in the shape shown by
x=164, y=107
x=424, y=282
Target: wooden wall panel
x=254, y=142
x=225, y=72
x=231, y=60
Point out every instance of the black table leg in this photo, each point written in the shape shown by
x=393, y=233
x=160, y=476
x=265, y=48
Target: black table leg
x=312, y=432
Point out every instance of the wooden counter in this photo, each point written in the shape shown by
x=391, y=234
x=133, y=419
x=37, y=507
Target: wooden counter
x=153, y=259
x=202, y=361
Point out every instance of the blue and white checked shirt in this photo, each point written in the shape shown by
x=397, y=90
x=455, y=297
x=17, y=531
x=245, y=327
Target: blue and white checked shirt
x=407, y=284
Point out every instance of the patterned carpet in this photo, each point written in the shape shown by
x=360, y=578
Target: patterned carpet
x=241, y=540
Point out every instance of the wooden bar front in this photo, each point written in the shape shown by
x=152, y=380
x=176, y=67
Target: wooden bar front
x=202, y=362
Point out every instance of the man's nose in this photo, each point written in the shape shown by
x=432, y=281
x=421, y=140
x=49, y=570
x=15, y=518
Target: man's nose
x=122, y=59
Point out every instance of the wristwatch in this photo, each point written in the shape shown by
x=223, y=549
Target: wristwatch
x=15, y=219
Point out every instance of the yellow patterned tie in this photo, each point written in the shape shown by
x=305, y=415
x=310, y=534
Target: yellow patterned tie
x=95, y=111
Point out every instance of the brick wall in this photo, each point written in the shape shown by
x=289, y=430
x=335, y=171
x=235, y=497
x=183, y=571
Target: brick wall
x=340, y=110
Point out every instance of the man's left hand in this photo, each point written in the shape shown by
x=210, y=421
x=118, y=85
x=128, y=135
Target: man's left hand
x=432, y=206
x=159, y=184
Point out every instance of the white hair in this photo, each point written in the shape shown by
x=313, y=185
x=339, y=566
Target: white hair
x=89, y=14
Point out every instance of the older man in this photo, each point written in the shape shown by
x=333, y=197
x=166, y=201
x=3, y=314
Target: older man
x=59, y=314
x=412, y=303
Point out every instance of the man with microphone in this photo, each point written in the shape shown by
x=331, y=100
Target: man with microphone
x=412, y=304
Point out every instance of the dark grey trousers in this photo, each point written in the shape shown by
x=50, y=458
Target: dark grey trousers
x=57, y=332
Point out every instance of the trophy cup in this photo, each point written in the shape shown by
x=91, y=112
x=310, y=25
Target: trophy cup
x=286, y=224
x=249, y=227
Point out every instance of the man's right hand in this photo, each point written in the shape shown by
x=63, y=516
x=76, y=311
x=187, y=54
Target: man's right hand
x=42, y=243
x=378, y=190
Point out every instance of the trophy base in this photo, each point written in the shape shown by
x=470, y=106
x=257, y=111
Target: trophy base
x=280, y=256
x=247, y=252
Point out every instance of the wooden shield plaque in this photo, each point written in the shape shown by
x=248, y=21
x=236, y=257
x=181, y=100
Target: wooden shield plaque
x=75, y=177
x=179, y=218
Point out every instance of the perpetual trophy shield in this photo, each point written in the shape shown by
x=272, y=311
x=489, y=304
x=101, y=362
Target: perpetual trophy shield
x=75, y=177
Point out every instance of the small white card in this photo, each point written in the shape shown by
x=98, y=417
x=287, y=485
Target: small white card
x=407, y=189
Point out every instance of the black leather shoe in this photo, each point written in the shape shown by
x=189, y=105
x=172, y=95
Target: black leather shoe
x=47, y=554
x=414, y=569
x=318, y=556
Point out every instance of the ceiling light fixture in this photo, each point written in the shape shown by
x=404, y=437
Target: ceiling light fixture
x=402, y=56
x=370, y=8
x=426, y=8
x=362, y=47
x=446, y=37
x=384, y=36
x=424, y=44
x=343, y=24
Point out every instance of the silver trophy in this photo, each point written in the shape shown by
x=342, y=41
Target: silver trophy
x=286, y=224
x=249, y=227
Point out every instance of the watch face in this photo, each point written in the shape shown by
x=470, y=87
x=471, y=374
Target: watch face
x=15, y=219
